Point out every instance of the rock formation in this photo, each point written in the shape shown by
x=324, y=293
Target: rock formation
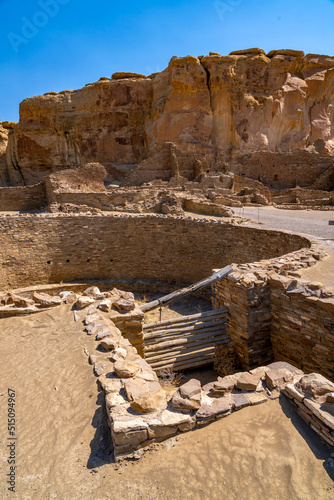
x=269, y=116
x=5, y=127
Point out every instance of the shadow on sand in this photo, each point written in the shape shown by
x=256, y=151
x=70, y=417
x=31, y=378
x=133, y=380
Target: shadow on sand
x=101, y=445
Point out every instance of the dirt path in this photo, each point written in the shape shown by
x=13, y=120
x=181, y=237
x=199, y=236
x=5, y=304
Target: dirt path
x=64, y=449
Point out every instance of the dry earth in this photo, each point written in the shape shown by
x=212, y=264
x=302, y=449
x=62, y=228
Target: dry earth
x=64, y=451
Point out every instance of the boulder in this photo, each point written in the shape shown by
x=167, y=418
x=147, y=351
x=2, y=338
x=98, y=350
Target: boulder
x=145, y=396
x=173, y=418
x=92, y=318
x=315, y=384
x=287, y=366
x=240, y=401
x=114, y=399
x=105, y=305
x=188, y=396
x=92, y=291
x=124, y=305
x=220, y=407
x=278, y=378
x=108, y=332
x=132, y=432
x=46, y=300
x=83, y=302
x=118, y=354
x=94, y=328
x=17, y=300
x=99, y=369
x=110, y=384
x=109, y=343
x=223, y=386
x=125, y=369
x=68, y=297
x=248, y=382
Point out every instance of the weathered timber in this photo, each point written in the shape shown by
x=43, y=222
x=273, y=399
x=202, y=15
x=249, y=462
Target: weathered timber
x=179, y=350
x=191, y=339
x=186, y=357
x=186, y=291
x=184, y=319
x=193, y=328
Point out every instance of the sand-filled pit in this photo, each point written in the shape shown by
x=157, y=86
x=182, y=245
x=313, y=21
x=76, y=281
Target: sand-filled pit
x=64, y=450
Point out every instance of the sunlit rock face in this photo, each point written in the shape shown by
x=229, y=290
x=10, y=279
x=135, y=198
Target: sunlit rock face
x=226, y=108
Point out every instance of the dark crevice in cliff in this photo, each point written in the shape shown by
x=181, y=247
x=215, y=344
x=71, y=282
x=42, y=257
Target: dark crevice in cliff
x=12, y=160
x=211, y=106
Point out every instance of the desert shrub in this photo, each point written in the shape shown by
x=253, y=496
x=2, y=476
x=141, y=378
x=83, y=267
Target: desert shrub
x=225, y=360
x=169, y=378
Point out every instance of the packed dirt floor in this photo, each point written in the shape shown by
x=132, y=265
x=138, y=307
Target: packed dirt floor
x=63, y=447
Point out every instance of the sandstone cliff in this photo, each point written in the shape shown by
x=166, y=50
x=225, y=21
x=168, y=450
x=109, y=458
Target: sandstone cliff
x=255, y=111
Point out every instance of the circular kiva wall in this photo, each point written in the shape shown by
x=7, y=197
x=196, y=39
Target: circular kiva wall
x=49, y=249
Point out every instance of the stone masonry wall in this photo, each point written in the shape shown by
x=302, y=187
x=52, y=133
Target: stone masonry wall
x=302, y=328
x=51, y=248
x=273, y=316
x=248, y=302
x=22, y=197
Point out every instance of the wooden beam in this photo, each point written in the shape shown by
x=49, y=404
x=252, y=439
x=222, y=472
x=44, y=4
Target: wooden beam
x=158, y=334
x=180, y=319
x=186, y=291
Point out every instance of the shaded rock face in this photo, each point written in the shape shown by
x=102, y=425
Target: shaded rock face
x=221, y=107
x=4, y=179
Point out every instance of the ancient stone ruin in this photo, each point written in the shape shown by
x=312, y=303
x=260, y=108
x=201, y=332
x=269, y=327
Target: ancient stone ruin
x=127, y=186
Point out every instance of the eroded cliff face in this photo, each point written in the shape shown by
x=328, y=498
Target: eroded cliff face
x=3, y=165
x=225, y=108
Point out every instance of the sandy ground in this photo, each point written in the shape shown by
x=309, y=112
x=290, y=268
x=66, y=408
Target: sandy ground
x=63, y=449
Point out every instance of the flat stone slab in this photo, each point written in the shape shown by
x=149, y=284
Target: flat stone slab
x=188, y=396
x=324, y=411
x=257, y=398
x=248, y=382
x=278, y=365
x=174, y=418
x=126, y=369
x=240, y=401
x=291, y=389
x=278, y=378
x=219, y=407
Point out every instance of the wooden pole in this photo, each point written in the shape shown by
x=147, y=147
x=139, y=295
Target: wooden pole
x=181, y=319
x=185, y=291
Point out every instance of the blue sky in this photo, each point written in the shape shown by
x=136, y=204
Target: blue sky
x=54, y=45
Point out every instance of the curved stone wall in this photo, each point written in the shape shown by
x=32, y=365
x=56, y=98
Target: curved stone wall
x=51, y=248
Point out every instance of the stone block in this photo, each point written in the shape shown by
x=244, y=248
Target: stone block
x=294, y=393
x=83, y=302
x=257, y=398
x=125, y=369
x=109, y=344
x=278, y=378
x=145, y=396
x=325, y=412
x=218, y=408
x=315, y=384
x=240, y=401
x=248, y=382
x=188, y=396
x=171, y=417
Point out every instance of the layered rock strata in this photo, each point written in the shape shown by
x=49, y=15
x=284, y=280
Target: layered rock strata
x=251, y=109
